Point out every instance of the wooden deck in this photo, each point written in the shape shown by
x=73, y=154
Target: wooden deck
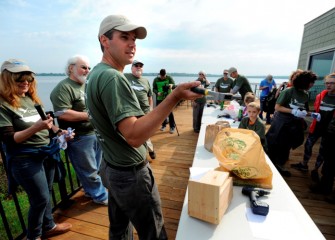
x=171, y=169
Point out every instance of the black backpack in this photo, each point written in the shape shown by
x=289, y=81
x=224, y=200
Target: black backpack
x=270, y=101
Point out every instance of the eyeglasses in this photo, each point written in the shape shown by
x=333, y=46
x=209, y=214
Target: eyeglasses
x=138, y=65
x=22, y=80
x=330, y=83
x=85, y=68
x=225, y=73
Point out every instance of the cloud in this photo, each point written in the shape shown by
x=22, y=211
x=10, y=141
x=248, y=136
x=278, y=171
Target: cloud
x=258, y=36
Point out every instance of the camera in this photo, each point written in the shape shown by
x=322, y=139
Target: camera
x=166, y=88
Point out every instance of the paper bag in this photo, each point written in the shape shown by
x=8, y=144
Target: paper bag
x=211, y=132
x=240, y=152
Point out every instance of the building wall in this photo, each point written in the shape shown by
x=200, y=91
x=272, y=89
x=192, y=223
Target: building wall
x=319, y=35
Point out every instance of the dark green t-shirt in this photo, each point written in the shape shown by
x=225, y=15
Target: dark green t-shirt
x=110, y=99
x=244, y=85
x=224, y=86
x=205, y=85
x=22, y=118
x=69, y=94
x=293, y=98
x=257, y=127
x=142, y=89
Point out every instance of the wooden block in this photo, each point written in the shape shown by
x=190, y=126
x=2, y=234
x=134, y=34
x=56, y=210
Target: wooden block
x=209, y=197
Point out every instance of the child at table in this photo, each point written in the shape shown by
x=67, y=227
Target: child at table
x=248, y=98
x=253, y=122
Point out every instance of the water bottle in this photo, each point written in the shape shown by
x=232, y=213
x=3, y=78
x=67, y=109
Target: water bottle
x=221, y=105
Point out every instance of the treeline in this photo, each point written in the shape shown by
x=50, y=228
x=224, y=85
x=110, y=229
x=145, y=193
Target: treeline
x=172, y=74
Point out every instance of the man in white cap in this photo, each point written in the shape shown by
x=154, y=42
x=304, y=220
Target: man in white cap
x=84, y=150
x=123, y=128
x=143, y=92
x=240, y=84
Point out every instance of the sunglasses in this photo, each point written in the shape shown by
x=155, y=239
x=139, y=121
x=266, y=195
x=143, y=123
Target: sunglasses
x=138, y=65
x=22, y=80
x=201, y=74
x=330, y=83
x=85, y=68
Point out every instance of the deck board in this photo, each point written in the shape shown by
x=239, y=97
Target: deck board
x=171, y=169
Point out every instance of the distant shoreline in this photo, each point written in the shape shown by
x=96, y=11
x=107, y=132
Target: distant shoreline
x=172, y=74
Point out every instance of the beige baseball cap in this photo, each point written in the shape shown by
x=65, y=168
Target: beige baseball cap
x=15, y=66
x=121, y=23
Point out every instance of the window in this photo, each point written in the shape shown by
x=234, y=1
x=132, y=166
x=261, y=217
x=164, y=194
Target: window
x=322, y=63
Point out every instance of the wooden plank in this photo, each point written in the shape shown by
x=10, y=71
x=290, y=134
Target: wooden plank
x=171, y=170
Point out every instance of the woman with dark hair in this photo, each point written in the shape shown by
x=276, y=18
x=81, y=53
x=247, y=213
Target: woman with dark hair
x=30, y=155
x=287, y=128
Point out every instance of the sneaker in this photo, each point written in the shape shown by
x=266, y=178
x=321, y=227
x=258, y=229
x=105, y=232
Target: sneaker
x=315, y=175
x=300, y=166
x=101, y=202
x=283, y=171
x=172, y=130
x=162, y=128
x=58, y=229
x=152, y=155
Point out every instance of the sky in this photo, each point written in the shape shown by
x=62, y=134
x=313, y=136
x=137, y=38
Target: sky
x=258, y=37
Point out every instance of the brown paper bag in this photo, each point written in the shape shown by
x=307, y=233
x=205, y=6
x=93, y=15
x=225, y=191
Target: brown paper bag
x=211, y=132
x=240, y=152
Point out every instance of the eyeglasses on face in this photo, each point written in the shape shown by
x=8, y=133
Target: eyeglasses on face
x=138, y=65
x=24, y=78
x=329, y=83
x=85, y=67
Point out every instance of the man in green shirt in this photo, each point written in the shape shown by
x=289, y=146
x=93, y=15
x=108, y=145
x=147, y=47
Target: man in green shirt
x=162, y=86
x=240, y=84
x=143, y=92
x=84, y=150
x=122, y=129
x=224, y=84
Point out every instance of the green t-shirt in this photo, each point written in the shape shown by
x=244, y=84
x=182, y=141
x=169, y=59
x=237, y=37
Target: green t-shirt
x=21, y=119
x=224, y=86
x=244, y=85
x=293, y=98
x=142, y=89
x=110, y=99
x=205, y=85
x=69, y=94
x=257, y=127
x=158, y=86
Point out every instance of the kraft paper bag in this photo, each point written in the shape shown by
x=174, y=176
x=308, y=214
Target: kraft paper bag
x=211, y=132
x=240, y=152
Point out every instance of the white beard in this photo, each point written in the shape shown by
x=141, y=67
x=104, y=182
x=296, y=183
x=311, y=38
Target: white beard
x=81, y=79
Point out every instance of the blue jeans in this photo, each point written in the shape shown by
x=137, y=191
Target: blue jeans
x=310, y=141
x=35, y=175
x=133, y=200
x=85, y=155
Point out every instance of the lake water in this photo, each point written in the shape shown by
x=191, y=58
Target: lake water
x=45, y=84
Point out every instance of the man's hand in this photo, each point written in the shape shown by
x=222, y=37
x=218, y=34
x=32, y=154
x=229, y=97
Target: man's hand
x=182, y=91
